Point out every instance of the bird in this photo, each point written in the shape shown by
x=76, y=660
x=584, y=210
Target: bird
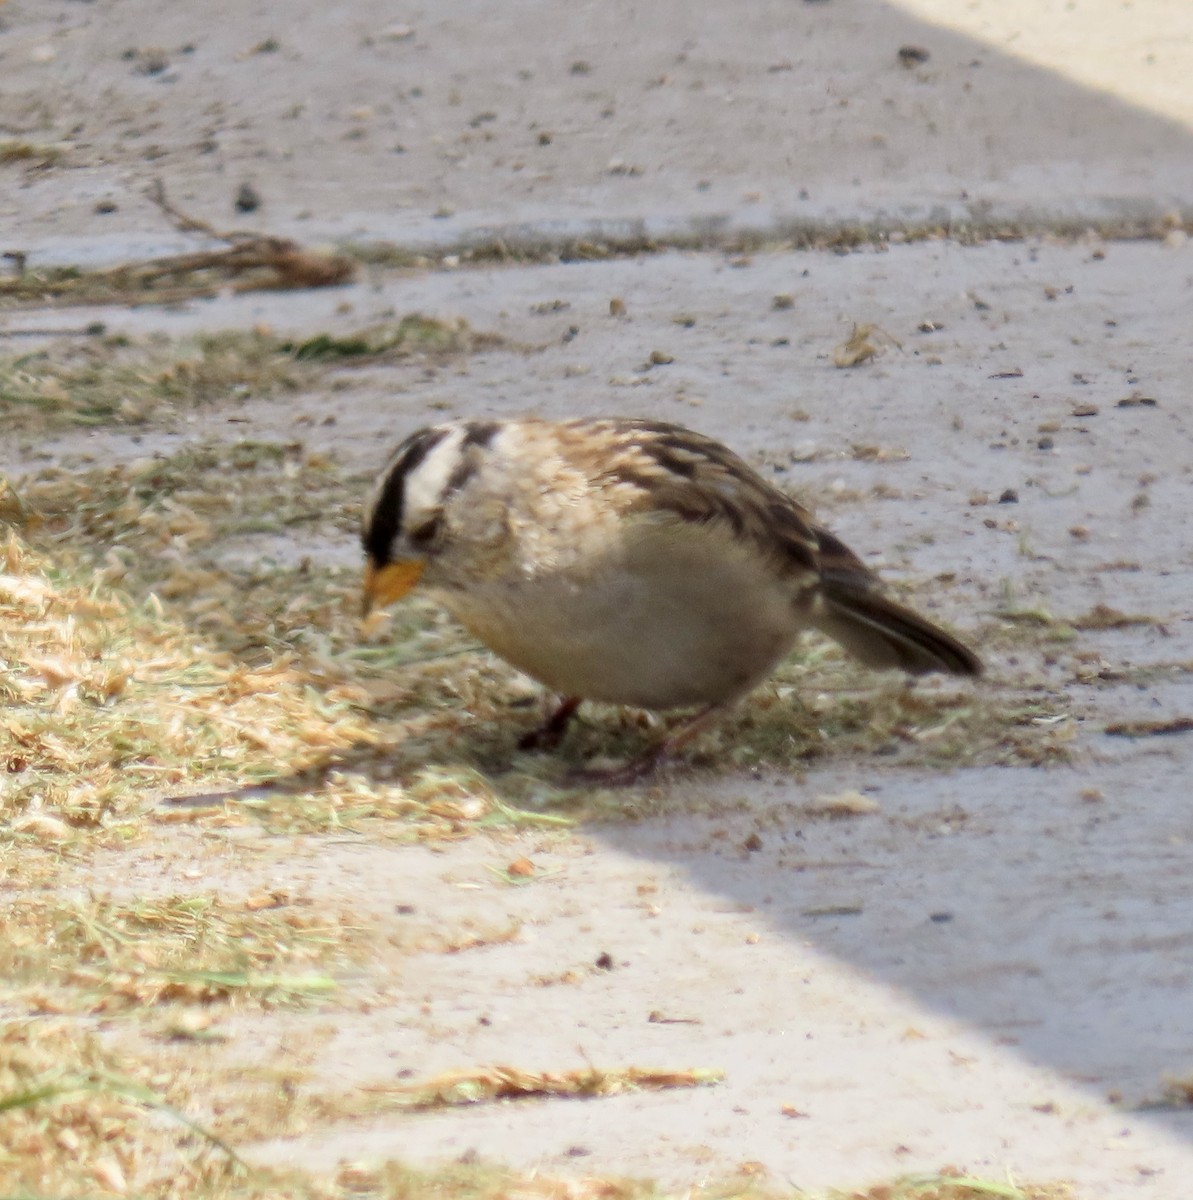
x=627, y=561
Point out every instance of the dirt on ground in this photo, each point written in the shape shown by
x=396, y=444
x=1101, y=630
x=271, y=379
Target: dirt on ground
x=872, y=931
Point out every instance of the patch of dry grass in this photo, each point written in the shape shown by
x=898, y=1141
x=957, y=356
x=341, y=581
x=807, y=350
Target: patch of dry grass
x=116, y=380
x=75, y=1120
x=112, y=702
x=101, y=955
x=413, y=334
x=108, y=702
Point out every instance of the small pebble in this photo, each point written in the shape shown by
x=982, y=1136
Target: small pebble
x=911, y=56
x=248, y=199
x=152, y=61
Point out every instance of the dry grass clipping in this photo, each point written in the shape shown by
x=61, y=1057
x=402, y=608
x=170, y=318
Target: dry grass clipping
x=865, y=342
x=498, y=1083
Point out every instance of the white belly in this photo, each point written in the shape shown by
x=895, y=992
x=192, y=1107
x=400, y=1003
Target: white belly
x=682, y=616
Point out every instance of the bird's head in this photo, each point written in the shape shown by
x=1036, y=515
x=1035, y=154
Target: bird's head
x=413, y=506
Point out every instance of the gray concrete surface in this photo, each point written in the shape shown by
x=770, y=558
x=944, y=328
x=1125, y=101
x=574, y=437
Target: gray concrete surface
x=423, y=122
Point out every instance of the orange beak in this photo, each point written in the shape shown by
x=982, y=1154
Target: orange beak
x=391, y=582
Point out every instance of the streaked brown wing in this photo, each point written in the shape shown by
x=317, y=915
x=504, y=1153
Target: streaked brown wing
x=677, y=470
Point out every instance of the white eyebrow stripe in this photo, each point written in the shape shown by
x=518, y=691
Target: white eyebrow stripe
x=427, y=483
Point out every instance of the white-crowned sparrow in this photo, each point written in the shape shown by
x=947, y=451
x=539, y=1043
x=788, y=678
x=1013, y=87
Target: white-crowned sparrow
x=628, y=561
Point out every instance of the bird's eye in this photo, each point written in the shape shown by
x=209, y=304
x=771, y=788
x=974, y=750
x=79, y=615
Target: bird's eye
x=427, y=532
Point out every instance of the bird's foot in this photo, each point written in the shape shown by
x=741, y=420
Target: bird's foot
x=550, y=733
x=638, y=770
x=653, y=761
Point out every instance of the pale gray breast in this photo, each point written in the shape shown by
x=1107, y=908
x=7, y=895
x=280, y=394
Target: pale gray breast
x=667, y=614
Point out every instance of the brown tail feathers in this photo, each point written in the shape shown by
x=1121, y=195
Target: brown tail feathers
x=884, y=634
